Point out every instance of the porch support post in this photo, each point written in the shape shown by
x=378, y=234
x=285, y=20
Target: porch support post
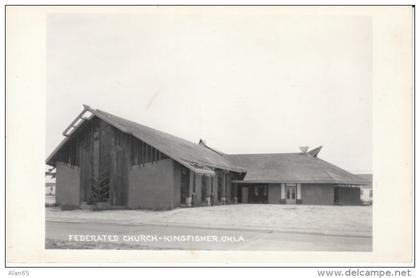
x=224, y=188
x=283, y=194
x=212, y=190
x=298, y=193
x=198, y=187
x=235, y=192
x=208, y=190
x=188, y=200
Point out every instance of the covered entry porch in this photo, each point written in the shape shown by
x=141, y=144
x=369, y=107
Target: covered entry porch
x=205, y=187
x=269, y=193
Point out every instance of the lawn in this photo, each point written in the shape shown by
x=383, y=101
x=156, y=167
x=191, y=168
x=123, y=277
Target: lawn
x=339, y=220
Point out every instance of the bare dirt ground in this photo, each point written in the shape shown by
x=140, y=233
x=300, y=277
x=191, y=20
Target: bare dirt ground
x=327, y=220
x=68, y=235
x=49, y=200
x=64, y=244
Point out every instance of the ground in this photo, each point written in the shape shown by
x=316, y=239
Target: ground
x=49, y=200
x=278, y=227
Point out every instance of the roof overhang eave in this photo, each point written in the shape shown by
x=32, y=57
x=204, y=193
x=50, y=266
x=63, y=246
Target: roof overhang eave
x=301, y=182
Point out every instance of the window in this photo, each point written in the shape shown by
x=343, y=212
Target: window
x=371, y=193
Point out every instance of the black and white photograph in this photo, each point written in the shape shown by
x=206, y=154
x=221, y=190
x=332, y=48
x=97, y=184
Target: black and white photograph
x=216, y=135
x=235, y=128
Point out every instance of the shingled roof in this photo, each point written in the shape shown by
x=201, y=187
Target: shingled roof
x=292, y=168
x=303, y=167
x=368, y=178
x=196, y=157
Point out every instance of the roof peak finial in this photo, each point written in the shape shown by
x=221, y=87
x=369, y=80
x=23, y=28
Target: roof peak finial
x=303, y=149
x=315, y=152
x=202, y=142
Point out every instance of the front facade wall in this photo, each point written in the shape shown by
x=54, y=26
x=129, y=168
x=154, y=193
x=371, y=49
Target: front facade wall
x=105, y=155
x=67, y=184
x=151, y=186
x=348, y=196
x=317, y=194
x=274, y=194
x=177, y=184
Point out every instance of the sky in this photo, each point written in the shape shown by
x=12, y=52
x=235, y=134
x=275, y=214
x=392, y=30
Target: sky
x=245, y=80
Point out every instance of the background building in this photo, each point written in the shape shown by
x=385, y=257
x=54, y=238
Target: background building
x=366, y=192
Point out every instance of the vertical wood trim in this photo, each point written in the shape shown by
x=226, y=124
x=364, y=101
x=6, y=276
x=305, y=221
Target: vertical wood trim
x=136, y=152
x=143, y=155
x=298, y=191
x=113, y=176
x=125, y=180
x=208, y=190
x=131, y=150
x=191, y=183
x=147, y=153
x=154, y=155
x=224, y=184
x=283, y=191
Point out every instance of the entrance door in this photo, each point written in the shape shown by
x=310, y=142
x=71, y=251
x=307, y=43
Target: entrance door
x=258, y=194
x=244, y=194
x=291, y=194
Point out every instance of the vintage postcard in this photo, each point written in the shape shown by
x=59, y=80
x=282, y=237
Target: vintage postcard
x=210, y=132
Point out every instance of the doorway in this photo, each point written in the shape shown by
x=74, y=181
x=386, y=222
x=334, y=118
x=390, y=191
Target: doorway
x=291, y=194
x=244, y=194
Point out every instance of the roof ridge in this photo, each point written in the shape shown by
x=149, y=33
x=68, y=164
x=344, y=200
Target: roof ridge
x=266, y=153
x=162, y=134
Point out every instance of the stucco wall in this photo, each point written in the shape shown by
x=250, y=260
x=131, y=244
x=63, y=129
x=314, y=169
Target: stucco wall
x=177, y=184
x=152, y=186
x=274, y=193
x=317, y=194
x=349, y=196
x=67, y=184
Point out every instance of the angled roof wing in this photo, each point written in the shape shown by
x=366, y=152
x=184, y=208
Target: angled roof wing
x=196, y=157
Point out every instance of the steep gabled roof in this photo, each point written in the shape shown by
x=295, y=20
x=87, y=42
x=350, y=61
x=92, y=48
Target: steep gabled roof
x=197, y=157
x=292, y=168
x=303, y=167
